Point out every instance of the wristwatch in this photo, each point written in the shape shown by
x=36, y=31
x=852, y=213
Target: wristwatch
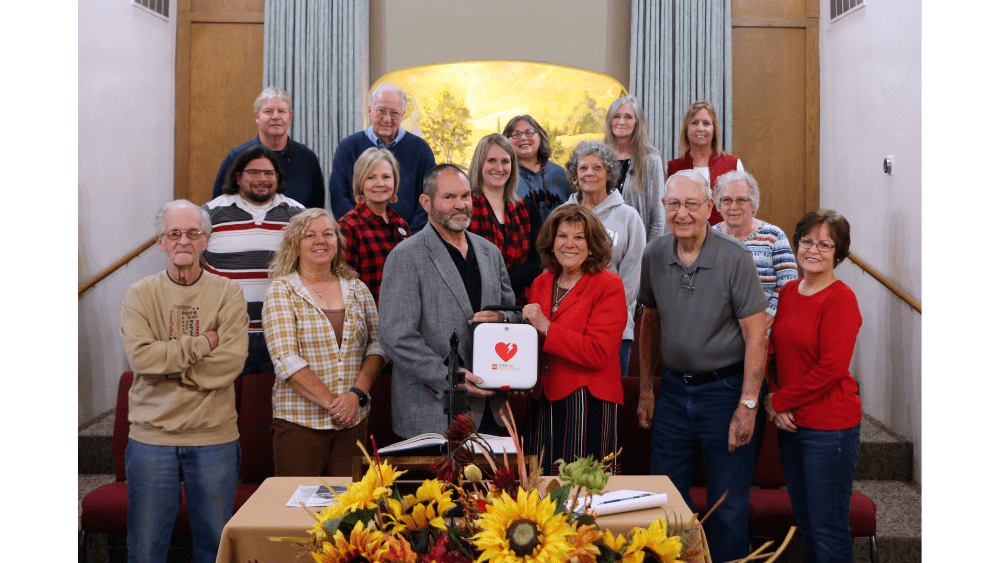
x=504, y=315
x=749, y=403
x=362, y=396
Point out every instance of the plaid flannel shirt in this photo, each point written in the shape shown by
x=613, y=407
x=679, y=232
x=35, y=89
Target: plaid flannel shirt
x=368, y=241
x=299, y=334
x=513, y=238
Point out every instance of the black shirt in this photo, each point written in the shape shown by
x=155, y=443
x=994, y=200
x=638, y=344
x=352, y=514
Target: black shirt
x=468, y=269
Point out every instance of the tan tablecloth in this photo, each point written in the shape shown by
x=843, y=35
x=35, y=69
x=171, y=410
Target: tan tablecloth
x=247, y=536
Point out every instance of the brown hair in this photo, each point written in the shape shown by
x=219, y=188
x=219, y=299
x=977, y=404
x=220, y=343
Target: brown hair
x=598, y=241
x=544, y=148
x=682, y=140
x=479, y=160
x=840, y=231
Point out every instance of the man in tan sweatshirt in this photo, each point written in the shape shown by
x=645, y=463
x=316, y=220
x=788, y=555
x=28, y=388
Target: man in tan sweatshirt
x=185, y=336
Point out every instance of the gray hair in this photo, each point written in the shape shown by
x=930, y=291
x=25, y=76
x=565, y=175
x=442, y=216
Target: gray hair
x=696, y=177
x=388, y=87
x=160, y=224
x=608, y=158
x=431, y=178
x=272, y=92
x=734, y=176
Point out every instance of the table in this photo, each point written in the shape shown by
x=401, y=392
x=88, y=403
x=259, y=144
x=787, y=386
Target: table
x=247, y=536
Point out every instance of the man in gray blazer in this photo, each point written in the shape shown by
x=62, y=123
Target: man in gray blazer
x=433, y=283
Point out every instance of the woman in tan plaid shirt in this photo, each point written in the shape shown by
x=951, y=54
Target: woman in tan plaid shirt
x=321, y=326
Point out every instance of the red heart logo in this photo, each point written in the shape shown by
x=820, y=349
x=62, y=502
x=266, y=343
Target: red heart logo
x=506, y=351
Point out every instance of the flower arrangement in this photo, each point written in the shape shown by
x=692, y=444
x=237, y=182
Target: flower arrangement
x=464, y=517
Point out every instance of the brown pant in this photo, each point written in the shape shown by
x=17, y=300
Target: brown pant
x=300, y=451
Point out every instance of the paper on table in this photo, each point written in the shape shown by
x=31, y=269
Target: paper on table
x=315, y=495
x=496, y=443
x=623, y=500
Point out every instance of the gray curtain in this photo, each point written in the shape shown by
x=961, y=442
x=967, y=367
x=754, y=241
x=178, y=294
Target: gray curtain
x=317, y=50
x=682, y=52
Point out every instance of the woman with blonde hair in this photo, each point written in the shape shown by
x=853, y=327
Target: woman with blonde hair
x=500, y=215
x=702, y=149
x=640, y=178
x=321, y=327
x=372, y=228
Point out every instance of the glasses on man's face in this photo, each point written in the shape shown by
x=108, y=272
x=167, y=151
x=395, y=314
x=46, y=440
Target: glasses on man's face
x=690, y=205
x=806, y=244
x=255, y=173
x=176, y=235
x=530, y=133
x=741, y=201
x=393, y=114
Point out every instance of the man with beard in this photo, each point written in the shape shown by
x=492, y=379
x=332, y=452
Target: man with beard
x=434, y=283
x=247, y=223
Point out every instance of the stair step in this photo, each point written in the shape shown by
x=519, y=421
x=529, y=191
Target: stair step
x=94, y=446
x=883, y=455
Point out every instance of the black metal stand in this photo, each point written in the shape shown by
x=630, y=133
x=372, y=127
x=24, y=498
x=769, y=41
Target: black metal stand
x=456, y=396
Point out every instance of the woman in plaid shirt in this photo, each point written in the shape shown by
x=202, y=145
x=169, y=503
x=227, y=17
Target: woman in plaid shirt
x=372, y=228
x=501, y=216
x=321, y=327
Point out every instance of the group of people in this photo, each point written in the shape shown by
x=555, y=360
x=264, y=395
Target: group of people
x=414, y=251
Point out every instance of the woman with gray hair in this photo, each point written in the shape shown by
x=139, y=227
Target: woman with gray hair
x=737, y=197
x=641, y=179
x=593, y=169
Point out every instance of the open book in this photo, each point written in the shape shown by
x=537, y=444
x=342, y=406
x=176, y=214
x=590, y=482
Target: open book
x=496, y=443
x=614, y=502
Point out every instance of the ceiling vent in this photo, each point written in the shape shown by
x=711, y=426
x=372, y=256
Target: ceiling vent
x=840, y=8
x=159, y=8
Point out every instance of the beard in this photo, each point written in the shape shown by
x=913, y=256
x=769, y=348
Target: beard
x=448, y=221
x=258, y=197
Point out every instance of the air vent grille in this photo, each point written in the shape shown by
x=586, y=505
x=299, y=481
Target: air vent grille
x=840, y=8
x=159, y=8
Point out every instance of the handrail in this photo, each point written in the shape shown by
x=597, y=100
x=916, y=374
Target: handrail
x=110, y=269
x=885, y=281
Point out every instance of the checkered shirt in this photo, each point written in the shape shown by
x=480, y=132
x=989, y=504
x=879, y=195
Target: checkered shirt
x=369, y=239
x=298, y=334
x=513, y=238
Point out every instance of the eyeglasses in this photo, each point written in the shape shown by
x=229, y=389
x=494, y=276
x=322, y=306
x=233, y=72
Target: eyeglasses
x=741, y=201
x=382, y=112
x=806, y=244
x=690, y=205
x=254, y=173
x=191, y=235
x=530, y=133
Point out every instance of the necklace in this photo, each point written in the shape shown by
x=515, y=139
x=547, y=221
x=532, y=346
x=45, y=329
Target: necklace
x=559, y=298
x=318, y=292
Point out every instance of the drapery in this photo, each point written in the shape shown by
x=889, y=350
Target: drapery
x=681, y=52
x=317, y=50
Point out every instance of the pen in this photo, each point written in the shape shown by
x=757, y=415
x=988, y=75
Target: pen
x=628, y=498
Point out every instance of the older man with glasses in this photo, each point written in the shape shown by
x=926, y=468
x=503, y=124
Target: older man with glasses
x=704, y=317
x=185, y=337
x=248, y=220
x=386, y=109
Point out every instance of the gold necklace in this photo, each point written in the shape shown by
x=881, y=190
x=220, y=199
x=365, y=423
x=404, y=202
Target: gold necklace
x=325, y=287
x=559, y=298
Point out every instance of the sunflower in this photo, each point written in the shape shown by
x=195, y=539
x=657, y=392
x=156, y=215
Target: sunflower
x=652, y=544
x=425, y=509
x=365, y=546
x=583, y=541
x=527, y=529
x=613, y=542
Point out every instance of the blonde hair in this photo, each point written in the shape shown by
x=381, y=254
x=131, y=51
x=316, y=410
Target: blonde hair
x=479, y=160
x=286, y=259
x=682, y=140
x=639, y=144
x=366, y=163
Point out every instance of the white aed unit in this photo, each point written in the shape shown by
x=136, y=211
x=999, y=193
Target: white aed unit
x=505, y=355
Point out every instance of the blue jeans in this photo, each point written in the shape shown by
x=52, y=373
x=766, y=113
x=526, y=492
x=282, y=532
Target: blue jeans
x=819, y=471
x=625, y=354
x=692, y=423
x=154, y=475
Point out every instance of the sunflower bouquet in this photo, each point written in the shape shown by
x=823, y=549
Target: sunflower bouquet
x=464, y=517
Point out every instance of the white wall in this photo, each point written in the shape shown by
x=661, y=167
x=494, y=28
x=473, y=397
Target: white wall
x=126, y=172
x=870, y=96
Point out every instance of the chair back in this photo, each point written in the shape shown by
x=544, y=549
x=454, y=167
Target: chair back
x=119, y=436
x=254, y=423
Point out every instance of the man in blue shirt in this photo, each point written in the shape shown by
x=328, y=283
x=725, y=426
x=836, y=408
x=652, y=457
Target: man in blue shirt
x=385, y=111
x=300, y=169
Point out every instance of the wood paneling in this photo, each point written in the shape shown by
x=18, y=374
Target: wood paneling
x=220, y=62
x=773, y=8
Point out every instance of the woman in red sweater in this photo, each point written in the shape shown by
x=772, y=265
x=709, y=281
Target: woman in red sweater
x=699, y=139
x=578, y=307
x=815, y=404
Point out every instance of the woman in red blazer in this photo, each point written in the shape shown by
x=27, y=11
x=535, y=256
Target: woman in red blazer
x=579, y=310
